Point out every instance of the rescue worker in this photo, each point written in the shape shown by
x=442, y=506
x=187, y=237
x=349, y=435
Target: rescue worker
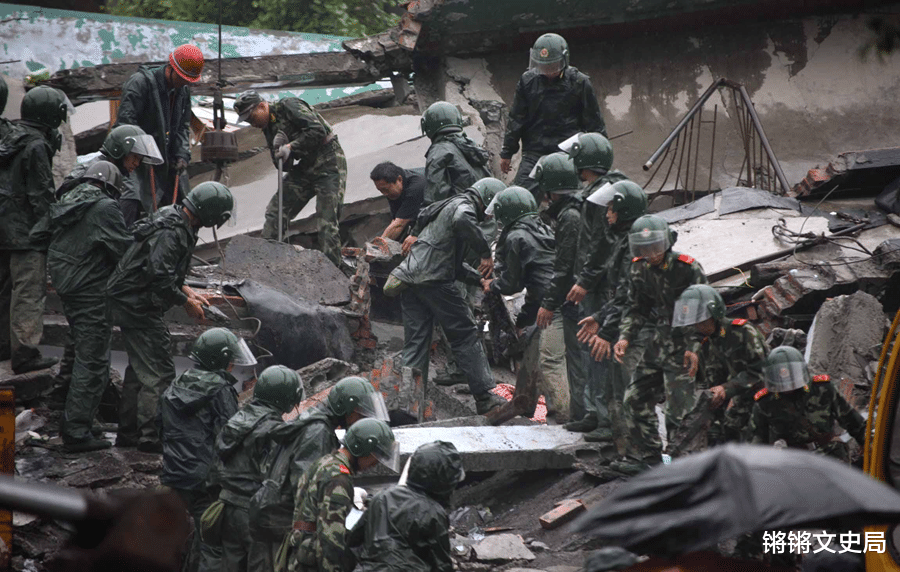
x=149, y=280
x=453, y=162
x=158, y=100
x=318, y=541
x=5, y=124
x=652, y=353
x=26, y=193
x=553, y=101
x=801, y=410
x=243, y=444
x=405, y=190
x=445, y=234
x=624, y=202
x=592, y=156
x=560, y=183
x=406, y=528
x=732, y=356
x=89, y=238
x=524, y=261
x=313, y=162
x=192, y=412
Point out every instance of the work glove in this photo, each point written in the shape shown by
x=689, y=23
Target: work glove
x=280, y=139
x=284, y=153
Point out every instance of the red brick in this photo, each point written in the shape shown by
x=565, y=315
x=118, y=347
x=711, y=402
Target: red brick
x=563, y=513
x=368, y=344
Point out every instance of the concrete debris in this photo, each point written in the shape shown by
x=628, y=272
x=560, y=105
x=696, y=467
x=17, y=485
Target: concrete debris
x=787, y=337
x=28, y=386
x=563, y=513
x=325, y=373
x=502, y=548
x=865, y=172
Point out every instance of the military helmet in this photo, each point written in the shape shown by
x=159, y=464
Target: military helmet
x=280, y=387
x=245, y=103
x=589, y=151
x=125, y=139
x=698, y=303
x=626, y=198
x=556, y=174
x=436, y=468
x=550, y=54
x=45, y=105
x=211, y=202
x=4, y=94
x=356, y=394
x=650, y=236
x=785, y=370
x=373, y=437
x=215, y=349
x=107, y=175
x=441, y=117
x=511, y=204
x=486, y=189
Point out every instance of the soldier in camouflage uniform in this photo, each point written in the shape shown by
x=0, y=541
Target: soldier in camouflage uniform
x=553, y=101
x=650, y=350
x=624, y=201
x=453, y=162
x=314, y=164
x=730, y=361
x=318, y=541
x=802, y=411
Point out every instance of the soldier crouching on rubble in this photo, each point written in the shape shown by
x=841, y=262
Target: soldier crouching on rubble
x=192, y=412
x=26, y=193
x=732, y=356
x=406, y=528
x=313, y=161
x=801, y=410
x=405, y=191
x=445, y=234
x=89, y=239
x=453, y=162
x=524, y=261
x=318, y=541
x=149, y=280
x=242, y=446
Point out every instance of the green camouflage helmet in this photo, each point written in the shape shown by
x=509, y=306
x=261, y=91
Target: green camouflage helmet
x=511, y=204
x=211, y=203
x=556, y=174
x=649, y=236
x=215, y=349
x=441, y=117
x=550, y=54
x=107, y=176
x=4, y=94
x=698, y=303
x=280, y=387
x=436, y=468
x=125, y=139
x=589, y=151
x=245, y=103
x=45, y=105
x=356, y=394
x=486, y=189
x=373, y=437
x=785, y=370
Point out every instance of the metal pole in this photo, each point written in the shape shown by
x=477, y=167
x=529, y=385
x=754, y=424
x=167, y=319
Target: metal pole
x=44, y=500
x=684, y=120
x=765, y=140
x=280, y=200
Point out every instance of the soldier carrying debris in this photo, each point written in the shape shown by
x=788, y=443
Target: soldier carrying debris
x=158, y=100
x=26, y=193
x=302, y=141
x=405, y=190
x=149, y=280
x=553, y=101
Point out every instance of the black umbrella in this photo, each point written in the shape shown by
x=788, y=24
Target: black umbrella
x=725, y=492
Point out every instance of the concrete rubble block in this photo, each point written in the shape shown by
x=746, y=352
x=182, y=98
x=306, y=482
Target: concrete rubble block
x=28, y=386
x=846, y=335
x=304, y=274
x=403, y=389
x=325, y=373
x=101, y=470
x=502, y=548
x=564, y=512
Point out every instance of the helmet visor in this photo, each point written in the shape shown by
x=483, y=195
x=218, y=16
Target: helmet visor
x=648, y=243
x=372, y=405
x=603, y=195
x=489, y=211
x=689, y=312
x=542, y=61
x=242, y=355
x=571, y=144
x=145, y=145
x=781, y=377
x=389, y=457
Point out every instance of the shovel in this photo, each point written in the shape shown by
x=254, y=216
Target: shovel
x=280, y=200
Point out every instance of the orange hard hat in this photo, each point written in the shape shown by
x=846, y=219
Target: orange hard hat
x=187, y=61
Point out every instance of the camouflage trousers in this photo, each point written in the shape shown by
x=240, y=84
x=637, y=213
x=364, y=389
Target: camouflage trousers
x=576, y=360
x=23, y=291
x=89, y=331
x=597, y=390
x=555, y=385
x=657, y=371
x=326, y=181
x=202, y=557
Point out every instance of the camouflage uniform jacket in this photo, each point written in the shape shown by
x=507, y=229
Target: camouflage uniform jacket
x=734, y=357
x=524, y=262
x=614, y=291
x=804, y=418
x=653, y=290
x=324, y=499
x=594, y=241
x=548, y=111
x=567, y=214
x=306, y=131
x=453, y=163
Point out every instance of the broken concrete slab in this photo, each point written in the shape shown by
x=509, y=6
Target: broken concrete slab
x=325, y=373
x=502, y=548
x=27, y=386
x=303, y=274
x=736, y=199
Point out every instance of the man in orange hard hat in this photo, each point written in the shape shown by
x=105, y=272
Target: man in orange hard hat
x=158, y=100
